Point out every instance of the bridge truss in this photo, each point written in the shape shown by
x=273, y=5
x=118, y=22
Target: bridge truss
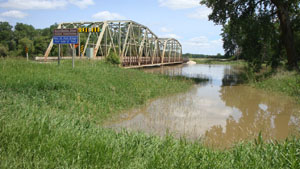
x=135, y=44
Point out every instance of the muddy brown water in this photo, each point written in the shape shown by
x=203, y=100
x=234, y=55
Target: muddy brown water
x=218, y=112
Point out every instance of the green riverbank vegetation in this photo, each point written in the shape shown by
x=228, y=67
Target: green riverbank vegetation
x=278, y=79
x=285, y=82
x=222, y=61
x=51, y=117
x=274, y=80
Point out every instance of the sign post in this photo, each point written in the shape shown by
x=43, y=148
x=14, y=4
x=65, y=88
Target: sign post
x=79, y=46
x=58, y=54
x=73, y=55
x=66, y=36
x=26, y=51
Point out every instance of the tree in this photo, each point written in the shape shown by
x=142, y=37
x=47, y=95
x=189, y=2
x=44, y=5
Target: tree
x=24, y=30
x=3, y=51
x=237, y=11
x=23, y=43
x=252, y=38
x=40, y=44
x=6, y=33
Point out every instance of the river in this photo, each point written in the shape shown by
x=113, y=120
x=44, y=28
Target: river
x=219, y=112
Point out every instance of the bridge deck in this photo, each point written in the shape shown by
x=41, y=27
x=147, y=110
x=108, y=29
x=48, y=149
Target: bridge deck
x=152, y=65
x=130, y=62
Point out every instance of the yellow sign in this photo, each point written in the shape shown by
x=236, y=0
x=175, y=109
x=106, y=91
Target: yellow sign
x=81, y=48
x=95, y=29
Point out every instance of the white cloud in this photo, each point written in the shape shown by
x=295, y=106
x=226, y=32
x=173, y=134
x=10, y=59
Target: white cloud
x=179, y=4
x=203, y=45
x=200, y=13
x=34, y=4
x=203, y=42
x=171, y=35
x=106, y=15
x=44, y=4
x=200, y=41
x=14, y=14
x=2, y=19
x=82, y=3
x=165, y=30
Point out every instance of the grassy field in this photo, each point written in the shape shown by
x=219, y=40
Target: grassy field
x=281, y=81
x=217, y=61
x=50, y=117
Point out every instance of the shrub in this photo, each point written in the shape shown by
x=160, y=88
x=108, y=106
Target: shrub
x=3, y=51
x=113, y=58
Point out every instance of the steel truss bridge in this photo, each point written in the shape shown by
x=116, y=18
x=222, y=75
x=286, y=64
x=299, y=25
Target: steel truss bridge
x=136, y=44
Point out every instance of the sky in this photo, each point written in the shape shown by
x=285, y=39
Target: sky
x=185, y=20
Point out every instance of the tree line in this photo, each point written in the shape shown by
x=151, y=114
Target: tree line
x=259, y=31
x=14, y=40
x=191, y=55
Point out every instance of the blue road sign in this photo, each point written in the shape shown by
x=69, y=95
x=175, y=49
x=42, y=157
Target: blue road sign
x=65, y=39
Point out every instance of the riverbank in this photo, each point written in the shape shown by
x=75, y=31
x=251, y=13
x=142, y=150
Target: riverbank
x=51, y=117
x=280, y=80
x=284, y=82
x=218, y=61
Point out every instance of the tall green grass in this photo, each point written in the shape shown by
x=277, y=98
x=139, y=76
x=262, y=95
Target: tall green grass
x=282, y=81
x=278, y=80
x=92, y=89
x=50, y=117
x=219, y=61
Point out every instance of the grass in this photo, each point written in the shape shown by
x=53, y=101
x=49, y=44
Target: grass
x=92, y=88
x=50, y=117
x=218, y=61
x=273, y=80
x=281, y=81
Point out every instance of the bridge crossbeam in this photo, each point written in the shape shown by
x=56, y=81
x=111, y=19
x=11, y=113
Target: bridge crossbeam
x=135, y=44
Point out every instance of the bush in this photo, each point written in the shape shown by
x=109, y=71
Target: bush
x=113, y=58
x=3, y=51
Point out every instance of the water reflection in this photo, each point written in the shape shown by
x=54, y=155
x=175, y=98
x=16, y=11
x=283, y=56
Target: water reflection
x=271, y=114
x=219, y=111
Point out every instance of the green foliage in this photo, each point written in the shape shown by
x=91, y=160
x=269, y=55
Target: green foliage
x=113, y=58
x=6, y=33
x=253, y=30
x=51, y=117
x=24, y=31
x=40, y=44
x=24, y=35
x=275, y=80
x=255, y=42
x=23, y=43
x=219, y=61
x=189, y=55
x=3, y=51
x=281, y=81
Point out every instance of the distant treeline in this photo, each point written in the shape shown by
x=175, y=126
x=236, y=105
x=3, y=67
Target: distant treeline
x=189, y=55
x=14, y=40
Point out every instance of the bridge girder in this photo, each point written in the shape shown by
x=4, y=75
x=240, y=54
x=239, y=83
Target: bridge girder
x=133, y=42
